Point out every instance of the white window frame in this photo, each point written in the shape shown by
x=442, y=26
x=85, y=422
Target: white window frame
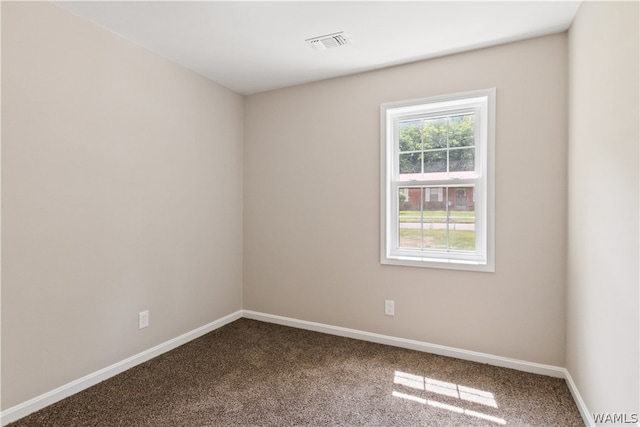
x=482, y=103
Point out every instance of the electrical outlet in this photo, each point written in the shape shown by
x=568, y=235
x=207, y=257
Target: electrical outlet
x=143, y=319
x=389, y=308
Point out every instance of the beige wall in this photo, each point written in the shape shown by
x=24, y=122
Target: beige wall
x=311, y=198
x=121, y=191
x=602, y=293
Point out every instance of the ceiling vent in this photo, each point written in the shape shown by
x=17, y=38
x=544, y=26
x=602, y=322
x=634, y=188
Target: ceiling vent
x=329, y=41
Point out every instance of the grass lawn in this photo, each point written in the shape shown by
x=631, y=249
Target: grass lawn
x=461, y=240
x=438, y=216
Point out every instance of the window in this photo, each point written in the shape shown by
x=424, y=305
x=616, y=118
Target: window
x=437, y=181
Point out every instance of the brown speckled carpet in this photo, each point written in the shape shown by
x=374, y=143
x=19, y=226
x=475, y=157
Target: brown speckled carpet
x=250, y=373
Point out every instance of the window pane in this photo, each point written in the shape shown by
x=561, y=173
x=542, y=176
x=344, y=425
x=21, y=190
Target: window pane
x=410, y=163
x=435, y=134
x=410, y=137
x=461, y=131
x=462, y=219
x=435, y=161
x=435, y=219
x=462, y=160
x=409, y=215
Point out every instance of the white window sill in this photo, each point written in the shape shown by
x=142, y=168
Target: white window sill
x=450, y=264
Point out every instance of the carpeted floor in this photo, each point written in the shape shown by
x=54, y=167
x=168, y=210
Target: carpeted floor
x=250, y=373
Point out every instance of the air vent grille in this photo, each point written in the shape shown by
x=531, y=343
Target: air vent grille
x=329, y=41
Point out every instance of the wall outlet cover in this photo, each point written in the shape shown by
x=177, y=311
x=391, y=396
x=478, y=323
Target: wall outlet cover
x=389, y=308
x=143, y=319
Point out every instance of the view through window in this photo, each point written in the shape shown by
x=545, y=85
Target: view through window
x=436, y=187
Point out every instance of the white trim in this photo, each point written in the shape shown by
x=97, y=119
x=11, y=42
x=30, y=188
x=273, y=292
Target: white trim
x=474, y=356
x=23, y=409
x=39, y=402
x=582, y=407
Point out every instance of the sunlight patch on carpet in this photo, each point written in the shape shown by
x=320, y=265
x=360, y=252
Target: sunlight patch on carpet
x=443, y=388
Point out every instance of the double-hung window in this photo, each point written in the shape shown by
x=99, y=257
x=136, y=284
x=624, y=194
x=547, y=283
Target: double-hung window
x=437, y=181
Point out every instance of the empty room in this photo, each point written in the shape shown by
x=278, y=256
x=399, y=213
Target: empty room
x=320, y=213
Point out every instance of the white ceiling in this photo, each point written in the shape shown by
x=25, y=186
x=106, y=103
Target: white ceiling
x=252, y=47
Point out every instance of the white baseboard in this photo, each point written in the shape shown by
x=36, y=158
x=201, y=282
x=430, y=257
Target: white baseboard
x=474, y=356
x=16, y=412
x=582, y=407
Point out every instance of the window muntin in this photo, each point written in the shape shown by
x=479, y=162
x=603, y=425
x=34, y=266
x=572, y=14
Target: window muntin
x=437, y=180
x=439, y=218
